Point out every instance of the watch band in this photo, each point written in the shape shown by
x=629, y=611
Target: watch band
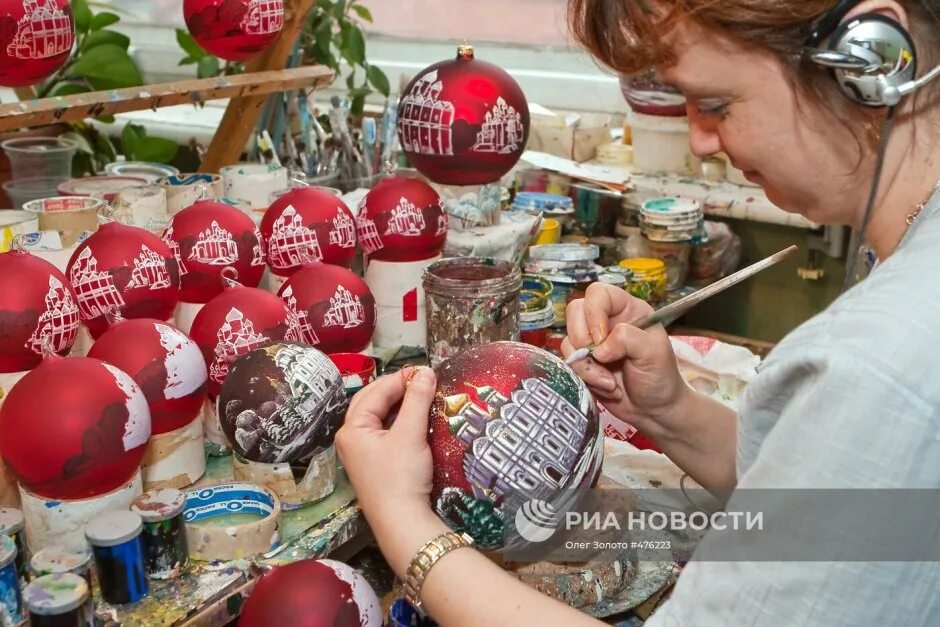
x=424, y=560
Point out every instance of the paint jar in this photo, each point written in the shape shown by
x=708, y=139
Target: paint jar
x=11, y=610
x=40, y=156
x=536, y=293
x=534, y=180
x=57, y=561
x=165, y=549
x=534, y=324
x=615, y=279
x=470, y=301
x=649, y=278
x=550, y=232
x=403, y=614
x=561, y=290
x=676, y=256
x=357, y=370
x=116, y=543
x=11, y=524
x=60, y=600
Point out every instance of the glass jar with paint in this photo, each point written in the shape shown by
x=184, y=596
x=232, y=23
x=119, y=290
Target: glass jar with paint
x=57, y=561
x=59, y=600
x=11, y=606
x=649, y=279
x=534, y=325
x=165, y=549
x=613, y=278
x=116, y=543
x=11, y=524
x=470, y=301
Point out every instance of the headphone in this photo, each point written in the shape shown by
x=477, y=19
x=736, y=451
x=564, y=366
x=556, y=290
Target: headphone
x=871, y=57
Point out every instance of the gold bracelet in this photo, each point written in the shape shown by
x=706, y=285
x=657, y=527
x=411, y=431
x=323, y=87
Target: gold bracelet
x=426, y=557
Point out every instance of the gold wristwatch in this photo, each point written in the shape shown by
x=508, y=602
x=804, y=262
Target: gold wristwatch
x=426, y=557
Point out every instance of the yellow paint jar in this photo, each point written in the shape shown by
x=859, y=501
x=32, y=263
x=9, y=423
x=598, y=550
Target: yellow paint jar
x=649, y=278
x=550, y=233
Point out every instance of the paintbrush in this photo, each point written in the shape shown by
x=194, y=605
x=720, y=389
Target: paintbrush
x=676, y=309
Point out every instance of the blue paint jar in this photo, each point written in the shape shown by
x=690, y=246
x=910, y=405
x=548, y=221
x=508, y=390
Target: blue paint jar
x=60, y=600
x=11, y=611
x=11, y=524
x=116, y=543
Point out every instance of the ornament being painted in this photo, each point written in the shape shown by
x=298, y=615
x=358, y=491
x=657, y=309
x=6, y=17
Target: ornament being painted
x=510, y=422
x=402, y=219
x=234, y=30
x=463, y=121
x=36, y=37
x=164, y=362
x=74, y=428
x=312, y=593
x=282, y=403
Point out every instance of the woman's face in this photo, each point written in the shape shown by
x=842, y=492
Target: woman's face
x=740, y=103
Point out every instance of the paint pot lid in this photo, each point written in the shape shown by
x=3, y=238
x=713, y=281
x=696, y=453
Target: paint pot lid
x=157, y=505
x=564, y=252
x=56, y=560
x=11, y=520
x=7, y=551
x=51, y=595
x=113, y=528
x=144, y=169
x=612, y=278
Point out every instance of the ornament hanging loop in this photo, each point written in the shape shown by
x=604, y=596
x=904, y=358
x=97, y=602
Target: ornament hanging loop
x=105, y=214
x=229, y=277
x=465, y=51
x=297, y=178
x=113, y=316
x=202, y=192
x=389, y=168
x=47, y=347
x=18, y=243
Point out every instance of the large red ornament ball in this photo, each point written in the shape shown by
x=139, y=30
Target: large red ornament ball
x=282, y=403
x=36, y=37
x=74, y=428
x=126, y=270
x=308, y=224
x=510, y=423
x=463, y=121
x=334, y=308
x=207, y=237
x=402, y=219
x=234, y=322
x=167, y=365
x=312, y=593
x=234, y=30
x=36, y=302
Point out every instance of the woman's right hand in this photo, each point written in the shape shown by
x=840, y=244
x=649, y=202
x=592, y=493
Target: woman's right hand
x=633, y=372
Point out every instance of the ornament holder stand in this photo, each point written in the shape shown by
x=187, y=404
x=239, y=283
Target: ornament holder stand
x=317, y=482
x=9, y=493
x=398, y=289
x=176, y=459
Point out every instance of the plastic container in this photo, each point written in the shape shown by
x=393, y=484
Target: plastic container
x=165, y=548
x=649, y=278
x=59, y=600
x=11, y=524
x=57, y=561
x=40, y=156
x=10, y=598
x=153, y=172
x=661, y=144
x=107, y=187
x=116, y=543
x=676, y=256
x=550, y=233
x=21, y=191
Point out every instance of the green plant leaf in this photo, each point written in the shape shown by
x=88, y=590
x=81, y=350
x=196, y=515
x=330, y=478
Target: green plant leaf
x=355, y=46
x=326, y=5
x=378, y=80
x=81, y=142
x=186, y=61
x=155, y=149
x=322, y=36
x=189, y=45
x=101, y=37
x=67, y=89
x=130, y=135
x=339, y=9
x=106, y=119
x=363, y=12
x=358, y=104
x=82, y=15
x=351, y=79
x=103, y=20
x=208, y=67
x=107, y=66
x=105, y=147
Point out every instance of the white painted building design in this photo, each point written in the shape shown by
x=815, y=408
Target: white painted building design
x=345, y=310
x=368, y=235
x=264, y=17
x=292, y=243
x=44, y=31
x=406, y=220
x=425, y=120
x=175, y=249
x=59, y=322
x=95, y=289
x=344, y=231
x=298, y=320
x=236, y=337
x=215, y=247
x=502, y=130
x=149, y=270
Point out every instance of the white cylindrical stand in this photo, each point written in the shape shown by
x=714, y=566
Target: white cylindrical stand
x=318, y=481
x=400, y=302
x=61, y=524
x=9, y=493
x=175, y=459
x=275, y=282
x=212, y=427
x=185, y=314
x=83, y=342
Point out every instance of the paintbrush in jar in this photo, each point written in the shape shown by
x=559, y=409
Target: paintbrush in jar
x=676, y=309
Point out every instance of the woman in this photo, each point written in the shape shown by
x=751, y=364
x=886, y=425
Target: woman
x=848, y=400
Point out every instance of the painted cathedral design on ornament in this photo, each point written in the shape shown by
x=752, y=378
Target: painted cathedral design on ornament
x=425, y=120
x=406, y=220
x=529, y=442
x=59, y=322
x=149, y=270
x=344, y=231
x=174, y=247
x=214, y=247
x=292, y=243
x=44, y=31
x=345, y=310
x=368, y=235
x=236, y=337
x=94, y=288
x=298, y=320
x=502, y=130
x=264, y=17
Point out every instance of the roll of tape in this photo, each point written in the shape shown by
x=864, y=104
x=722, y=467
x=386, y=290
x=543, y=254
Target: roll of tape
x=241, y=539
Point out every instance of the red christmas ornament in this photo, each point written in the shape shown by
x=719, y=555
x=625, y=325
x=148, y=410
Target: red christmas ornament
x=234, y=30
x=166, y=364
x=308, y=224
x=74, y=428
x=463, y=122
x=235, y=322
x=36, y=38
x=333, y=308
x=312, y=593
x=402, y=219
x=126, y=270
x=208, y=236
x=36, y=302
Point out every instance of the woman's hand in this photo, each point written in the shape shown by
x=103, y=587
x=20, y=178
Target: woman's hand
x=633, y=372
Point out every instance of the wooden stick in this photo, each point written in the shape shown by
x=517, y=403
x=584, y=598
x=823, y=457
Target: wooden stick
x=80, y=106
x=241, y=116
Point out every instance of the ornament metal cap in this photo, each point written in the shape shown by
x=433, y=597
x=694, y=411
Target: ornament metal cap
x=229, y=276
x=465, y=51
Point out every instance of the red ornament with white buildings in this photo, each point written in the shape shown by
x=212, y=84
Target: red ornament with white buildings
x=37, y=305
x=463, y=121
x=234, y=30
x=236, y=321
x=332, y=307
x=306, y=225
x=36, y=37
x=126, y=270
x=402, y=219
x=207, y=237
